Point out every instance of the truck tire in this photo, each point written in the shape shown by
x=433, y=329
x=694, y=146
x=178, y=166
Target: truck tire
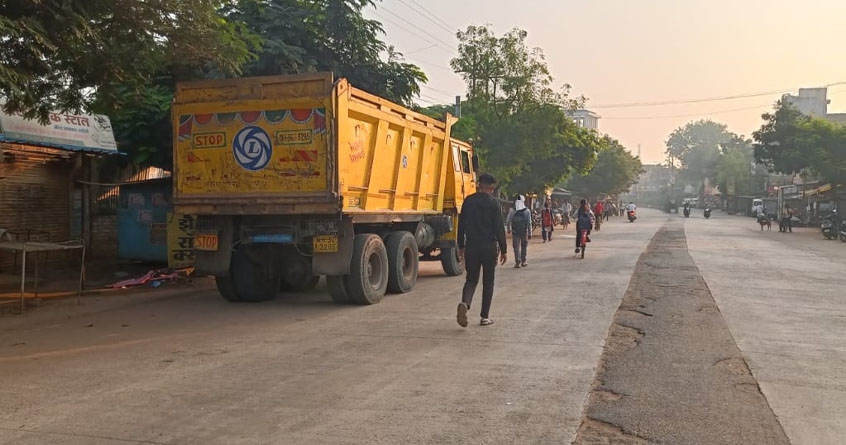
x=251, y=280
x=338, y=288
x=403, y=262
x=226, y=289
x=368, y=279
x=297, y=275
x=450, y=262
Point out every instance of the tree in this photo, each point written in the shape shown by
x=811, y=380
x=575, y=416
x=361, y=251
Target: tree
x=615, y=171
x=284, y=37
x=303, y=36
x=59, y=54
x=777, y=143
x=465, y=129
x=522, y=132
x=698, y=147
x=736, y=165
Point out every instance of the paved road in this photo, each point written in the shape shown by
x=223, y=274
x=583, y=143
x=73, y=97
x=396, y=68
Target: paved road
x=191, y=369
x=782, y=297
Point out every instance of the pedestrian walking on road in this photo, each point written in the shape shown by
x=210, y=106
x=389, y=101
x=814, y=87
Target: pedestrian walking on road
x=547, y=222
x=519, y=223
x=481, y=238
x=566, y=210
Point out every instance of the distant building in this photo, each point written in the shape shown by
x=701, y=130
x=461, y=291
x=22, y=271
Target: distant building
x=585, y=119
x=810, y=101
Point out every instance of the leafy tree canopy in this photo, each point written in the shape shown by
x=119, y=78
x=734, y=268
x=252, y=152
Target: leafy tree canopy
x=777, y=142
x=123, y=57
x=698, y=149
x=517, y=118
x=61, y=54
x=615, y=171
x=790, y=142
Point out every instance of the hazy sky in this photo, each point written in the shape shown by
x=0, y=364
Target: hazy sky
x=623, y=51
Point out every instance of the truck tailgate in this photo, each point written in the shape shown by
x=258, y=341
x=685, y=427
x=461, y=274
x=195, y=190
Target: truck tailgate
x=260, y=141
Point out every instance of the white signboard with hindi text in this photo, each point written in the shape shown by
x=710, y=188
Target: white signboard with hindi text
x=70, y=130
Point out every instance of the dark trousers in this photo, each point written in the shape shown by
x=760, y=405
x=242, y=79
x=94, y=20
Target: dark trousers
x=520, y=243
x=547, y=235
x=480, y=258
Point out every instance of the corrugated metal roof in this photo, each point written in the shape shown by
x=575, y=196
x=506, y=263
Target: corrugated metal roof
x=4, y=138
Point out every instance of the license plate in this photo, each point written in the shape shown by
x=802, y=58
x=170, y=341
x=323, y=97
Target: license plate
x=206, y=242
x=325, y=244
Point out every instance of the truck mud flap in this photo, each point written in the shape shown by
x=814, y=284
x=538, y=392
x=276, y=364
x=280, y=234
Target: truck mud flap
x=336, y=263
x=216, y=262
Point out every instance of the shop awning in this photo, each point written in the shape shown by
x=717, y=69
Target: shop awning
x=65, y=147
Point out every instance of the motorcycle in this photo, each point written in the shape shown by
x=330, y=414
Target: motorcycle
x=707, y=212
x=558, y=216
x=686, y=212
x=632, y=216
x=830, y=226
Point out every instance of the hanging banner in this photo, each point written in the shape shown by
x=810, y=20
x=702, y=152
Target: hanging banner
x=78, y=131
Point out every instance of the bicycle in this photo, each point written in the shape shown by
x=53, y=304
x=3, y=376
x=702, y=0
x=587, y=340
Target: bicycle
x=583, y=242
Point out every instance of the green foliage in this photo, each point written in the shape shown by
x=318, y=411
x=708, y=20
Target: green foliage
x=777, y=141
x=465, y=129
x=700, y=149
x=697, y=147
x=615, y=171
x=302, y=36
x=122, y=57
x=57, y=54
x=142, y=123
x=518, y=121
x=736, y=164
x=791, y=142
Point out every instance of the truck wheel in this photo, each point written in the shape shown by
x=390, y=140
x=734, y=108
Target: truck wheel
x=403, y=262
x=252, y=280
x=226, y=289
x=368, y=277
x=338, y=288
x=449, y=260
x=297, y=275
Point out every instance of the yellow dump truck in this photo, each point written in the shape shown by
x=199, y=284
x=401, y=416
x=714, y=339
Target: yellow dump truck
x=294, y=177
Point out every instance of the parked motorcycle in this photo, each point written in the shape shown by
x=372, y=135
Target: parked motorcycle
x=707, y=212
x=830, y=226
x=536, y=220
x=632, y=216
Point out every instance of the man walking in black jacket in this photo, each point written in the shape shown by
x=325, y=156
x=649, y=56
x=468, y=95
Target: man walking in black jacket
x=481, y=237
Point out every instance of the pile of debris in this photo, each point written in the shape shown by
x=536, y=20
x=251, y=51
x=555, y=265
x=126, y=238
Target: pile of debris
x=154, y=278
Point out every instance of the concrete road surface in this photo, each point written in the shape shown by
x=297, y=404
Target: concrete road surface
x=782, y=295
x=192, y=369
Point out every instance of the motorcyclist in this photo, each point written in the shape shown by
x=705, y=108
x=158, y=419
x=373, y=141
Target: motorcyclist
x=585, y=220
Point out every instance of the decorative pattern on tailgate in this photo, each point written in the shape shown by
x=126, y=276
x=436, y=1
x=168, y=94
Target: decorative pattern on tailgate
x=252, y=152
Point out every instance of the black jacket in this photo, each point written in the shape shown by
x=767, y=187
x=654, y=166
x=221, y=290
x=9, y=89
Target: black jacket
x=481, y=222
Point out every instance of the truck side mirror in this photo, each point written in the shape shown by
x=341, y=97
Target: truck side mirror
x=475, y=162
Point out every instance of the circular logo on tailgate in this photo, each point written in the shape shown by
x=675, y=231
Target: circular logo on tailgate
x=252, y=148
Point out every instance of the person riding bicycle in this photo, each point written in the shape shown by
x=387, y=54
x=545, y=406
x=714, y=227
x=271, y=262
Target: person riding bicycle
x=598, y=210
x=585, y=220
